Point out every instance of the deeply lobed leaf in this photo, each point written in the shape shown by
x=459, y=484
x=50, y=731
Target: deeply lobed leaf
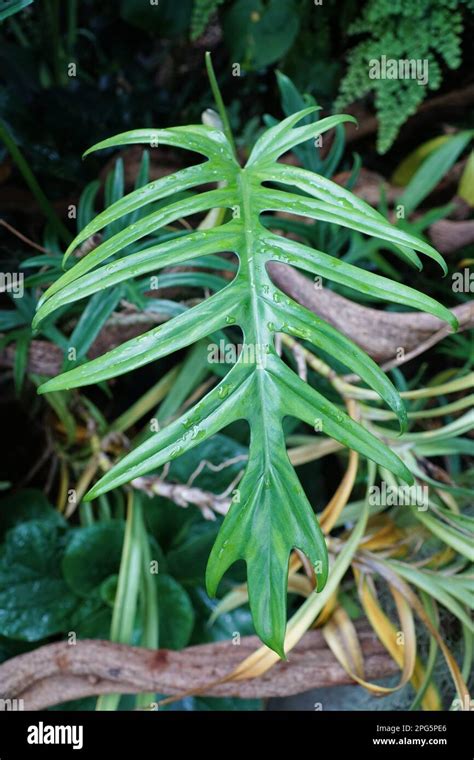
x=270, y=514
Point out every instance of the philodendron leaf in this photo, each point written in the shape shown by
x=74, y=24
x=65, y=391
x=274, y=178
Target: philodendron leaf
x=270, y=514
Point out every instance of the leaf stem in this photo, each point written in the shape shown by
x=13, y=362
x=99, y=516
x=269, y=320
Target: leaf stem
x=128, y=585
x=220, y=103
x=149, y=607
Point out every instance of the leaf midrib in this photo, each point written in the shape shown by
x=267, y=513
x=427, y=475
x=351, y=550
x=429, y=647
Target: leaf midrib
x=260, y=333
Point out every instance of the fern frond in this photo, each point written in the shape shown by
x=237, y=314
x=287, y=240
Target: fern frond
x=202, y=13
x=425, y=30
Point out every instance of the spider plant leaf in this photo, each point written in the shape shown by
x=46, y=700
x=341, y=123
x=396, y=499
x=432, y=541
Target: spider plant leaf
x=450, y=536
x=428, y=582
x=269, y=515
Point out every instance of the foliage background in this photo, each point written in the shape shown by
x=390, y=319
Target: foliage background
x=139, y=65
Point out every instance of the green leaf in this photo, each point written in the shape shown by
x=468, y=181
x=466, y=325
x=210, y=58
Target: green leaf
x=10, y=7
x=223, y=459
x=432, y=170
x=85, y=209
x=10, y=319
x=166, y=521
x=292, y=101
x=92, y=320
x=466, y=183
x=35, y=601
x=92, y=619
x=176, y=613
x=260, y=33
x=428, y=582
x=292, y=525
x=23, y=506
x=270, y=514
x=187, y=562
x=92, y=555
x=224, y=626
x=187, y=328
x=291, y=252
x=461, y=543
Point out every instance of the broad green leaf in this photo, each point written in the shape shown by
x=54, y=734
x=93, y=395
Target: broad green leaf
x=187, y=562
x=142, y=196
x=92, y=555
x=147, y=260
x=25, y=505
x=91, y=619
x=291, y=252
x=303, y=324
x=327, y=212
x=223, y=459
x=175, y=611
x=35, y=601
x=260, y=33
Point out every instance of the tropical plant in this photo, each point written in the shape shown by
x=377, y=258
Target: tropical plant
x=270, y=514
